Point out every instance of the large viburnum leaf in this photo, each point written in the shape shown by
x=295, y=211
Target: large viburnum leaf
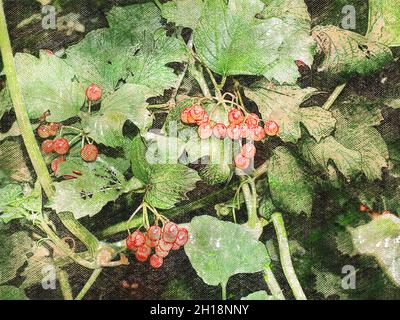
x=384, y=19
x=290, y=186
x=282, y=105
x=127, y=103
x=380, y=239
x=250, y=38
x=348, y=53
x=86, y=194
x=48, y=83
x=356, y=145
x=218, y=250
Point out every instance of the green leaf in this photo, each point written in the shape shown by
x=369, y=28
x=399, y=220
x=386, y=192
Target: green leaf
x=216, y=173
x=218, y=250
x=291, y=188
x=127, y=103
x=245, y=37
x=259, y=295
x=137, y=155
x=48, y=83
x=282, y=105
x=12, y=293
x=329, y=284
x=13, y=253
x=12, y=132
x=384, y=18
x=184, y=13
x=380, y=239
x=98, y=184
x=12, y=161
x=347, y=53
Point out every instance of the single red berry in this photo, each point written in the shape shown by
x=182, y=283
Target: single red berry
x=204, y=120
x=48, y=146
x=137, y=238
x=219, y=131
x=56, y=162
x=197, y=112
x=89, y=152
x=43, y=131
x=252, y=120
x=234, y=131
x=245, y=131
x=364, y=208
x=170, y=232
x=248, y=150
x=271, y=128
x=235, y=116
x=183, y=237
x=160, y=252
x=205, y=131
x=156, y=261
x=184, y=115
x=241, y=162
x=53, y=128
x=61, y=146
x=257, y=133
x=176, y=246
x=154, y=233
x=130, y=242
x=93, y=92
x=150, y=243
x=165, y=246
x=142, y=253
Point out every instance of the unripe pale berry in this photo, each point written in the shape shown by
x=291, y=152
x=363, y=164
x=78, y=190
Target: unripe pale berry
x=89, y=153
x=176, y=246
x=160, y=252
x=219, y=131
x=154, y=233
x=93, y=92
x=48, y=146
x=151, y=243
x=170, y=232
x=271, y=128
x=61, y=146
x=235, y=116
x=248, y=151
x=205, y=131
x=165, y=246
x=183, y=237
x=241, y=162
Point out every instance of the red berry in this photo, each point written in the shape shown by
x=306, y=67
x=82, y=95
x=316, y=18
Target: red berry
x=184, y=115
x=248, y=151
x=219, y=131
x=170, y=232
x=257, y=133
x=48, y=146
x=151, y=243
x=165, y=246
x=154, y=233
x=176, y=246
x=137, y=239
x=43, y=131
x=142, y=253
x=129, y=242
x=93, y=92
x=156, y=261
x=245, y=131
x=205, y=131
x=53, y=128
x=241, y=162
x=61, y=146
x=183, y=237
x=89, y=153
x=235, y=116
x=364, y=208
x=56, y=162
x=205, y=120
x=234, y=131
x=252, y=120
x=271, y=128
x=161, y=253
x=197, y=112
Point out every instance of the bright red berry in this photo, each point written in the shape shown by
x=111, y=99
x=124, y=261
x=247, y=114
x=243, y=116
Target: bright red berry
x=271, y=128
x=219, y=131
x=56, y=162
x=89, y=153
x=257, y=133
x=252, y=120
x=53, y=128
x=142, y=253
x=197, y=112
x=136, y=239
x=364, y=208
x=241, y=162
x=248, y=151
x=93, y=92
x=48, y=146
x=156, y=261
x=205, y=131
x=61, y=146
x=160, y=252
x=235, y=116
x=43, y=131
x=234, y=131
x=170, y=232
x=183, y=237
x=154, y=233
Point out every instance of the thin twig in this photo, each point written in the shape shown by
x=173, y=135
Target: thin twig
x=88, y=284
x=335, y=94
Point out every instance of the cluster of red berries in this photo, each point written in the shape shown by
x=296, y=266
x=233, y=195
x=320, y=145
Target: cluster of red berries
x=163, y=240
x=240, y=127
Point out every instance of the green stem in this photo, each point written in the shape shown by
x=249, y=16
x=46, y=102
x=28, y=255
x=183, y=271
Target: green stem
x=21, y=113
x=286, y=260
x=223, y=293
x=273, y=284
x=335, y=94
x=64, y=284
x=88, y=284
x=250, y=198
